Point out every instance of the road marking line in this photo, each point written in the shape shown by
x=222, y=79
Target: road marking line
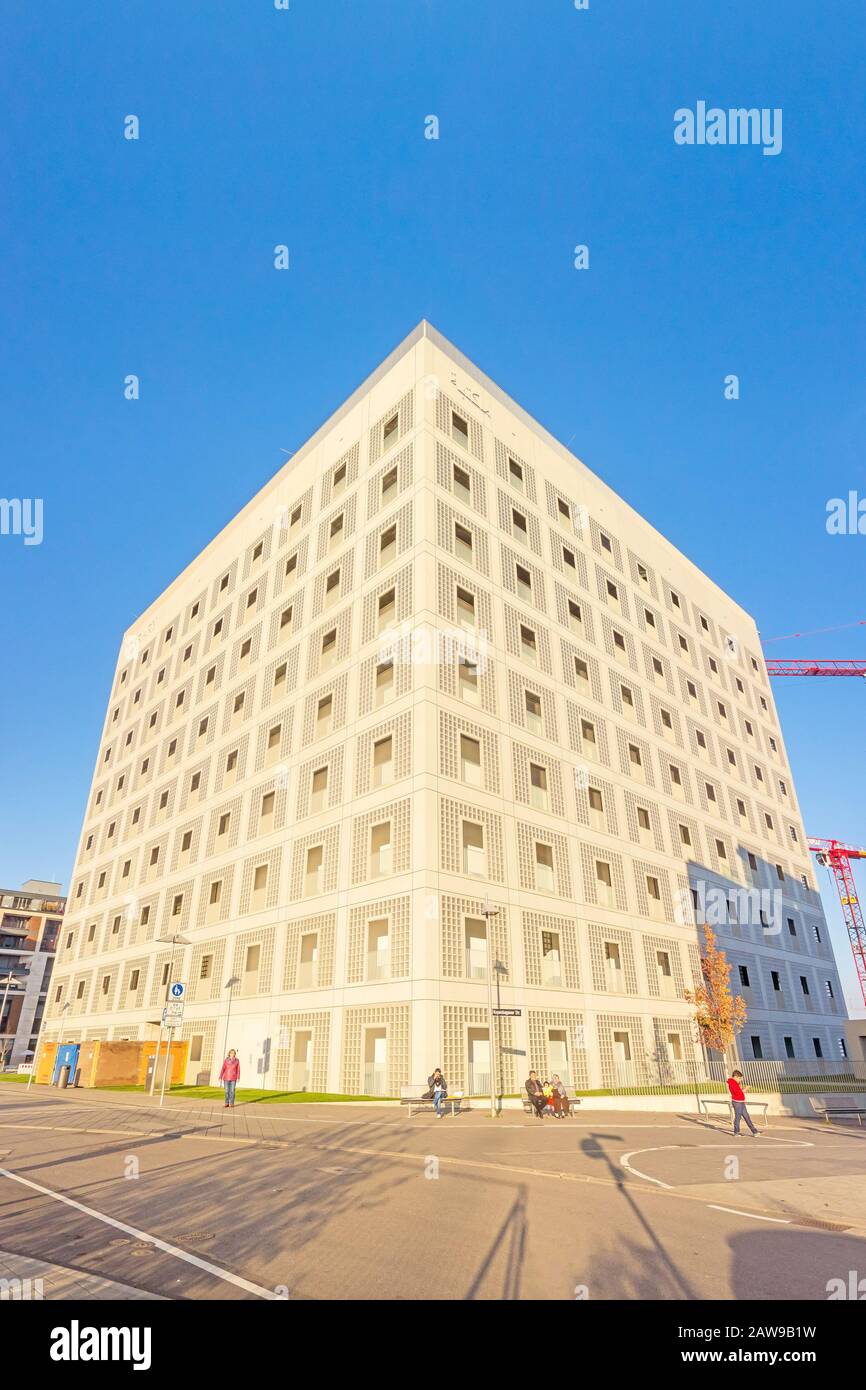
x=68, y=1129
x=136, y=1134
x=776, y=1220
x=624, y=1162
x=689, y=1148
x=163, y=1245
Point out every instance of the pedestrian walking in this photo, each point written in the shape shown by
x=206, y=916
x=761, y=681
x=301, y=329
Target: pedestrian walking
x=230, y=1075
x=438, y=1088
x=738, y=1100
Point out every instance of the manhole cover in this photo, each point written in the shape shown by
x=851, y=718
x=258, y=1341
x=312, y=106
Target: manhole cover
x=195, y=1237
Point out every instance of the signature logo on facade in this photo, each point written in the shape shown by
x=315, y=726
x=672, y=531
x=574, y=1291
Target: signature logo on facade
x=469, y=394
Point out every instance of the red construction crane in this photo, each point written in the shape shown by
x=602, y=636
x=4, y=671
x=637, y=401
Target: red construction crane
x=801, y=666
x=834, y=853
x=837, y=856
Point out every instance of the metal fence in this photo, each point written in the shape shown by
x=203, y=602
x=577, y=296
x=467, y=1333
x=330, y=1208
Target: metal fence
x=783, y=1076
x=662, y=1076
x=787, y=1076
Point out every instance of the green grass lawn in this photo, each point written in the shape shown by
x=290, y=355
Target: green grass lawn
x=246, y=1095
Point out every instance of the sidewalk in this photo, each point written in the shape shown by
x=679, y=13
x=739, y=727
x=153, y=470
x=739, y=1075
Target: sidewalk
x=26, y=1280
x=137, y=1112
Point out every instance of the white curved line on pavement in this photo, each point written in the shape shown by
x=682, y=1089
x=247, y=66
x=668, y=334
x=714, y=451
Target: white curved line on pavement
x=683, y=1148
x=163, y=1245
x=636, y=1172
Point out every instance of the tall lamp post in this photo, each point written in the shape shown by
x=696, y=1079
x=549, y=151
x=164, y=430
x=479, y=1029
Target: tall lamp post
x=229, y=985
x=488, y=912
x=173, y=941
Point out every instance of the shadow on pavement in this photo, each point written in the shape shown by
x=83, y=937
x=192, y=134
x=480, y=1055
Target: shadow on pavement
x=648, y=1274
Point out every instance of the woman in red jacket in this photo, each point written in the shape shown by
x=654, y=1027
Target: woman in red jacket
x=229, y=1075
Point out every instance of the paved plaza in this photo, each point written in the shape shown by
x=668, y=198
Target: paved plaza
x=113, y=1197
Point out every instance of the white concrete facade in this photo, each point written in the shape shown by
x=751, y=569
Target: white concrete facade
x=435, y=663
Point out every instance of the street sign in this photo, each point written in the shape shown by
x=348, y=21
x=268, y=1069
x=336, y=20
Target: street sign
x=172, y=1014
x=177, y=990
x=507, y=1013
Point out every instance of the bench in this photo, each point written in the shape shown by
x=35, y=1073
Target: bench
x=825, y=1111
x=529, y=1108
x=706, y=1101
x=415, y=1098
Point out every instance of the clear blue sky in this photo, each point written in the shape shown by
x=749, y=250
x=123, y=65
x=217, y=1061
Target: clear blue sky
x=305, y=127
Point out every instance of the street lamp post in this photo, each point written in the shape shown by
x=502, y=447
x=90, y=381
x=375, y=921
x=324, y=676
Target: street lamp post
x=488, y=912
x=229, y=985
x=174, y=941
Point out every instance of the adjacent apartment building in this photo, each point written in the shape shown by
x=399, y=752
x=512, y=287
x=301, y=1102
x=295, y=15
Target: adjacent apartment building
x=436, y=703
x=30, y=922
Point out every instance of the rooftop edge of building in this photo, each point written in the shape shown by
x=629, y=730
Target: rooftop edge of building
x=424, y=329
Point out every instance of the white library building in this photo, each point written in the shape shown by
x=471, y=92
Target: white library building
x=438, y=715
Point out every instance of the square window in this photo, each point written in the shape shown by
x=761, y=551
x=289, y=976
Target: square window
x=462, y=483
x=387, y=608
x=389, y=485
x=465, y=608
x=463, y=543
x=384, y=682
x=470, y=760
x=467, y=675
x=318, y=790
x=383, y=761
x=387, y=545
x=532, y=705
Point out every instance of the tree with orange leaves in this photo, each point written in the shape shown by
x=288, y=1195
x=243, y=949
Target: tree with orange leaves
x=719, y=1014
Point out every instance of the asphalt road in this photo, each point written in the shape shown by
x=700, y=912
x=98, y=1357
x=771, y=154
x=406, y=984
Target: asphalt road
x=320, y=1202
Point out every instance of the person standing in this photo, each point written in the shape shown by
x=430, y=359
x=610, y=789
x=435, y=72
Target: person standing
x=438, y=1089
x=738, y=1100
x=535, y=1091
x=230, y=1072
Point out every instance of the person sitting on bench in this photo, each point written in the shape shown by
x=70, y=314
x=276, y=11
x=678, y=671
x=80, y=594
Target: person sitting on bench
x=536, y=1094
x=438, y=1090
x=560, y=1098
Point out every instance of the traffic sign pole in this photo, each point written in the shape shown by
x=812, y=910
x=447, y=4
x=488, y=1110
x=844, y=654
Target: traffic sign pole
x=488, y=913
x=172, y=1016
x=156, y=1059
